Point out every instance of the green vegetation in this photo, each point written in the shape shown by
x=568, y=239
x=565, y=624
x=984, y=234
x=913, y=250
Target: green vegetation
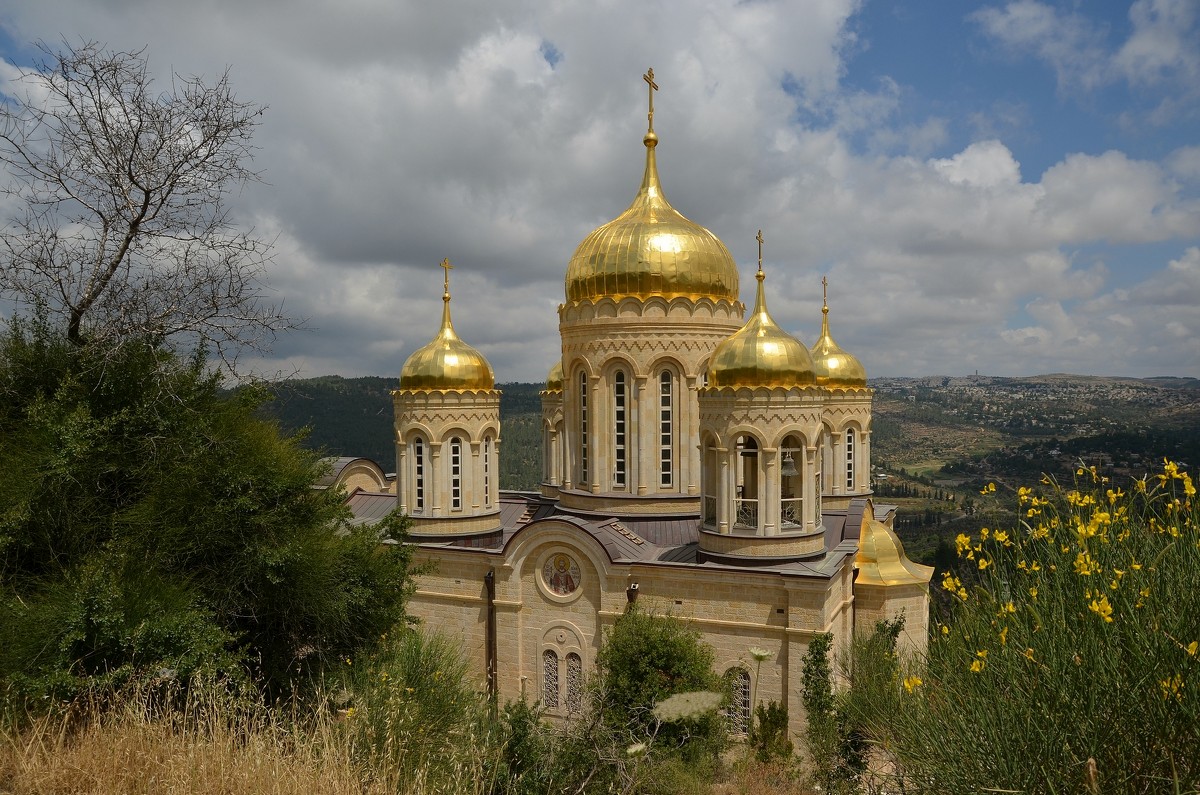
x=1068, y=660
x=152, y=527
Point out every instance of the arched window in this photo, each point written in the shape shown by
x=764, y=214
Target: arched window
x=849, y=459
x=745, y=506
x=738, y=712
x=620, y=399
x=574, y=682
x=791, y=477
x=708, y=494
x=456, y=474
x=583, y=430
x=549, y=679
x=487, y=471
x=418, y=474
x=666, y=430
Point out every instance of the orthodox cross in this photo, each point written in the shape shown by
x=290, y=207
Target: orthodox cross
x=649, y=78
x=759, y=238
x=447, y=267
x=824, y=291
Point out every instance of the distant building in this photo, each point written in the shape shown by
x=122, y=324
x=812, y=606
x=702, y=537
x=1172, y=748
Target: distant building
x=695, y=460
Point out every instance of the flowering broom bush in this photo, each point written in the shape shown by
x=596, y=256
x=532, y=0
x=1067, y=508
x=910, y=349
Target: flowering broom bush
x=1071, y=661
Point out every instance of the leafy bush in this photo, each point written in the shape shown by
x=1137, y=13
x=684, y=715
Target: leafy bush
x=151, y=526
x=1071, y=661
x=769, y=737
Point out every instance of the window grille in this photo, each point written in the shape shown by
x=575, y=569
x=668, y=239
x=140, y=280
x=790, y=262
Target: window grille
x=619, y=417
x=850, y=459
x=549, y=679
x=574, y=682
x=419, y=474
x=666, y=440
x=456, y=474
x=583, y=430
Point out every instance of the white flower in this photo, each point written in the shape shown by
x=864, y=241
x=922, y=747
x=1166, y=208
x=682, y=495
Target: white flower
x=759, y=654
x=636, y=749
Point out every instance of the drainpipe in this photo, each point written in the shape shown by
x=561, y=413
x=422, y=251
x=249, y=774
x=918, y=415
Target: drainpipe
x=489, y=581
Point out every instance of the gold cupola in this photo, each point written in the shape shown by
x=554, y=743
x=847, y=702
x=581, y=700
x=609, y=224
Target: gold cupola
x=651, y=249
x=447, y=363
x=881, y=559
x=833, y=366
x=554, y=381
x=760, y=353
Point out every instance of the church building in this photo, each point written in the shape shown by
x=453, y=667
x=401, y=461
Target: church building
x=697, y=460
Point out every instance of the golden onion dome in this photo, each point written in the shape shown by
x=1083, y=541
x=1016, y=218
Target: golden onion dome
x=760, y=353
x=833, y=366
x=651, y=249
x=554, y=381
x=447, y=363
x=881, y=559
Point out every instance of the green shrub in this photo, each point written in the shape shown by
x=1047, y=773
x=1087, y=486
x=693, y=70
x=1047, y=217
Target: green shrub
x=1070, y=662
x=769, y=737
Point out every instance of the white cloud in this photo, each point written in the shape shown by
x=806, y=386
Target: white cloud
x=400, y=133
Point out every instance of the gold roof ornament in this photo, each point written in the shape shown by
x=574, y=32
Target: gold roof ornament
x=881, y=559
x=554, y=381
x=760, y=353
x=833, y=366
x=651, y=249
x=447, y=363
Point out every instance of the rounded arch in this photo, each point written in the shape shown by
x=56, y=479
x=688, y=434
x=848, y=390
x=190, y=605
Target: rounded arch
x=459, y=432
x=417, y=429
x=655, y=306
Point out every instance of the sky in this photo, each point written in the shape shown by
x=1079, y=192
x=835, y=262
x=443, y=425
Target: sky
x=1005, y=187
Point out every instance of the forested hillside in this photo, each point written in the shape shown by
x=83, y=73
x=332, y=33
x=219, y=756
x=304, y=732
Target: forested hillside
x=353, y=417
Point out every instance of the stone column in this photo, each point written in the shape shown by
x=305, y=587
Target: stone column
x=476, y=482
x=725, y=490
x=402, y=477
x=434, y=478
x=768, y=492
x=689, y=451
x=809, y=482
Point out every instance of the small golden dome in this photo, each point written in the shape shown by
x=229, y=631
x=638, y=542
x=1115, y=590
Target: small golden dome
x=651, y=249
x=554, y=381
x=881, y=559
x=760, y=353
x=833, y=366
x=447, y=363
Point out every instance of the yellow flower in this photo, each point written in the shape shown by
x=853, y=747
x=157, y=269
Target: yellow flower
x=1004, y=637
x=983, y=533
x=1172, y=686
x=351, y=712
x=962, y=543
x=977, y=666
x=1085, y=564
x=911, y=683
x=1029, y=654
x=984, y=563
x=945, y=629
x=1002, y=538
x=1033, y=593
x=1192, y=648
x=1023, y=494
x=1007, y=607
x=988, y=489
x=981, y=654
x=1102, y=608
x=1113, y=496
x=1188, y=488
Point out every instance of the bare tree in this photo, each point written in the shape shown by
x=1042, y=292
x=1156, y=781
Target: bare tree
x=123, y=231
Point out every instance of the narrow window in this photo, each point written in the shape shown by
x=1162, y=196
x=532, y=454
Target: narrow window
x=456, y=474
x=549, y=679
x=574, y=682
x=619, y=409
x=419, y=474
x=583, y=431
x=849, y=459
x=666, y=436
x=738, y=712
x=487, y=471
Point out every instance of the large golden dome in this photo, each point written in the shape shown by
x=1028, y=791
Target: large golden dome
x=833, y=366
x=651, y=249
x=447, y=363
x=760, y=354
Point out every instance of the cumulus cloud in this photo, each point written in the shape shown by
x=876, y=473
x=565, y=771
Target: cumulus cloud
x=499, y=134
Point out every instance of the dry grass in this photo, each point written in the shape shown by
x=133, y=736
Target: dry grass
x=202, y=751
